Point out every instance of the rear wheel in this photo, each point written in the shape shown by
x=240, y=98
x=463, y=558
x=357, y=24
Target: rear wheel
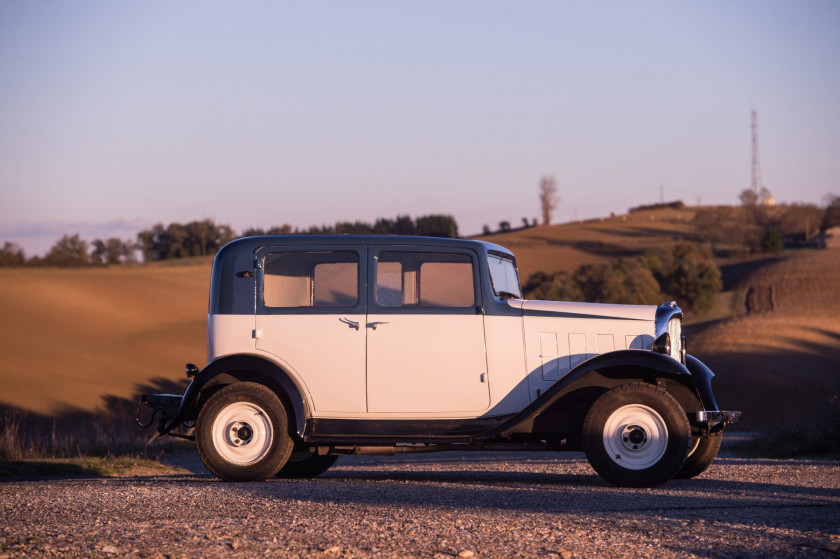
x=703, y=453
x=242, y=433
x=636, y=435
x=306, y=464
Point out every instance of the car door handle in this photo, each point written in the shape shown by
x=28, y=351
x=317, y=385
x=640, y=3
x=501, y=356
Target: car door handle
x=348, y=322
x=373, y=325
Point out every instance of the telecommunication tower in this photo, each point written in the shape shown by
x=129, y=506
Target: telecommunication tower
x=756, y=185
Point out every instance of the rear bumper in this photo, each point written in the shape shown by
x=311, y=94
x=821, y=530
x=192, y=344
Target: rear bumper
x=710, y=422
x=163, y=408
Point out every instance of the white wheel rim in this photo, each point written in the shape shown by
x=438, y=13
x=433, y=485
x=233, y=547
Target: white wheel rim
x=635, y=437
x=242, y=433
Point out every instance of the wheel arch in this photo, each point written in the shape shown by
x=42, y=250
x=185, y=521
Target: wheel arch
x=560, y=410
x=243, y=368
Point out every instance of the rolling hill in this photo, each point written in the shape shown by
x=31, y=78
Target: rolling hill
x=554, y=248
x=70, y=337
x=781, y=360
x=73, y=338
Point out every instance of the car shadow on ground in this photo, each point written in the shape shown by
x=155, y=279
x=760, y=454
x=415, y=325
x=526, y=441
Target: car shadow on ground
x=541, y=484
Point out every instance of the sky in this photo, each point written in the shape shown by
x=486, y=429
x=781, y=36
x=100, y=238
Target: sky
x=115, y=116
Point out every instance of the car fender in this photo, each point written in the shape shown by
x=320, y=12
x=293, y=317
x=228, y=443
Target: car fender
x=702, y=377
x=250, y=368
x=608, y=370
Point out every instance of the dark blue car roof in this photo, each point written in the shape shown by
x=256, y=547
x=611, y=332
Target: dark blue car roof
x=253, y=244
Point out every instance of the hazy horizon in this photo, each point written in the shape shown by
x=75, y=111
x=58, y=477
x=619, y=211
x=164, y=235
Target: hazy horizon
x=116, y=116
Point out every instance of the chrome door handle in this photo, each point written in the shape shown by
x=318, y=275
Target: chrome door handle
x=348, y=322
x=373, y=325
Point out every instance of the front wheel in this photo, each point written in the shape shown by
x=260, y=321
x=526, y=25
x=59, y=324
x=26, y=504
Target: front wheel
x=242, y=433
x=636, y=435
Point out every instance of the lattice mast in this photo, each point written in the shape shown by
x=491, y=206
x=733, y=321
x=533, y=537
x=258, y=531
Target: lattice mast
x=756, y=184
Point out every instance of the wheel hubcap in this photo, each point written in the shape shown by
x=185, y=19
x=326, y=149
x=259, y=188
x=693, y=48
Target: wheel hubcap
x=635, y=436
x=242, y=433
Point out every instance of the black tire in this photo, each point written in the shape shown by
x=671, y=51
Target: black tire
x=636, y=435
x=702, y=456
x=251, y=440
x=309, y=466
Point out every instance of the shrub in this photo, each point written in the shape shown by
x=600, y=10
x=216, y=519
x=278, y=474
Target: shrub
x=557, y=287
x=686, y=274
x=771, y=240
x=68, y=252
x=11, y=256
x=831, y=218
x=622, y=282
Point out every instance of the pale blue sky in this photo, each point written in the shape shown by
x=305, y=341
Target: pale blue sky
x=117, y=115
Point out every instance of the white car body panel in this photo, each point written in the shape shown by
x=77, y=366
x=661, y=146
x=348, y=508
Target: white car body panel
x=427, y=363
x=229, y=334
x=417, y=366
x=560, y=336
x=325, y=354
x=506, y=366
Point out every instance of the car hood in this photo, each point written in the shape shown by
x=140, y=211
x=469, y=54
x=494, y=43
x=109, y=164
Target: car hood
x=589, y=310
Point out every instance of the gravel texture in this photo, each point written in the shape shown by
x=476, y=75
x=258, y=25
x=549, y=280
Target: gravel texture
x=437, y=505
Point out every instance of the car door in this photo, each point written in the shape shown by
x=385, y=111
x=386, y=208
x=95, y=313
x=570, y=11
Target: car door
x=310, y=317
x=425, y=342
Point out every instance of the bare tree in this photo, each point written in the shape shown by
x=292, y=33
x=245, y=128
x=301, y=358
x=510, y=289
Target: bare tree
x=548, y=197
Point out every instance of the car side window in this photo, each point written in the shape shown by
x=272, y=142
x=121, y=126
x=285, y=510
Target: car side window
x=424, y=279
x=316, y=279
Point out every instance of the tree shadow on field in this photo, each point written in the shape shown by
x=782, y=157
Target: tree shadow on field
x=593, y=247
x=17, y=469
x=733, y=274
x=111, y=429
x=777, y=387
x=651, y=233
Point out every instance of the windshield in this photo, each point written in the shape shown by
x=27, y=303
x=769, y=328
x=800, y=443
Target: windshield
x=504, y=277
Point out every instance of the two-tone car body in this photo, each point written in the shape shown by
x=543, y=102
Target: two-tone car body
x=327, y=345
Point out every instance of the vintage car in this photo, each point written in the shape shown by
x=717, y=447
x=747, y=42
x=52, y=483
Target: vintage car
x=320, y=346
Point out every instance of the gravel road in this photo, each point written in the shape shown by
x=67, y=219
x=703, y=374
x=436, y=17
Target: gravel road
x=438, y=505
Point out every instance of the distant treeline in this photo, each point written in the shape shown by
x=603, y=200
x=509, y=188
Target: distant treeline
x=676, y=205
x=73, y=251
x=205, y=237
x=734, y=230
x=435, y=225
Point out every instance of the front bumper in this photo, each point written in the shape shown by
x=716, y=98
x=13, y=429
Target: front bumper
x=710, y=422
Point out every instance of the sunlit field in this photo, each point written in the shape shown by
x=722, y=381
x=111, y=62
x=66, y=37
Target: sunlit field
x=565, y=247
x=72, y=336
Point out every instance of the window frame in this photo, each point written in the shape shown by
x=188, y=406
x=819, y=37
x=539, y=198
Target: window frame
x=503, y=256
x=373, y=258
x=361, y=286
